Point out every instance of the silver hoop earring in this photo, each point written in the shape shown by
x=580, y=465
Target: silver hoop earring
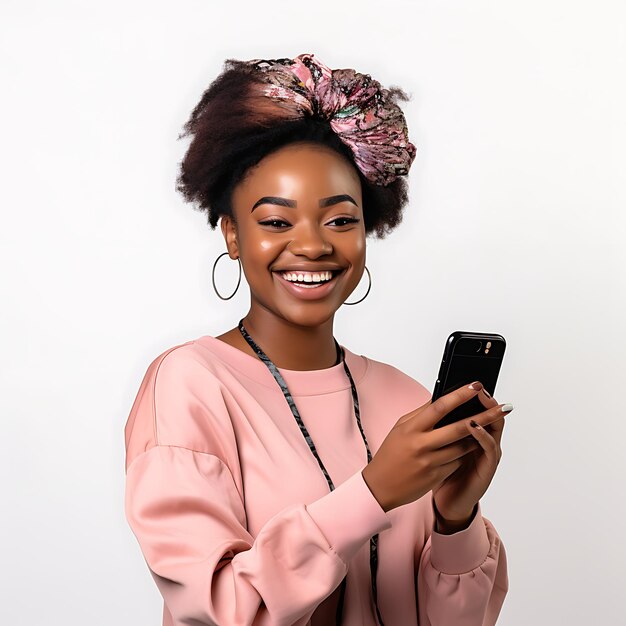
x=368, y=288
x=213, y=278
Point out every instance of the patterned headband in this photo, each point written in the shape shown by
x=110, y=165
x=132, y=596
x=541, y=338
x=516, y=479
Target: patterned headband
x=356, y=106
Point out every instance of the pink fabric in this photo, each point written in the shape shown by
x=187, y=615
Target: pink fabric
x=234, y=517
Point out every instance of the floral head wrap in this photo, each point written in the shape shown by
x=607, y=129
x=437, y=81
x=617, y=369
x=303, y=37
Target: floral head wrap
x=358, y=109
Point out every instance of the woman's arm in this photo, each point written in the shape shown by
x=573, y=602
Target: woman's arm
x=462, y=577
x=188, y=518
x=186, y=510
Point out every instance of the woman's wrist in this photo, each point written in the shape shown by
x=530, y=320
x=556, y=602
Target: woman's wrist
x=448, y=527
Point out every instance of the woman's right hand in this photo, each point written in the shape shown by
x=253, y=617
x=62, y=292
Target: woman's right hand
x=414, y=457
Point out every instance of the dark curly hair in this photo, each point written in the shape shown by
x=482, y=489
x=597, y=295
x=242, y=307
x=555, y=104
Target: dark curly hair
x=233, y=130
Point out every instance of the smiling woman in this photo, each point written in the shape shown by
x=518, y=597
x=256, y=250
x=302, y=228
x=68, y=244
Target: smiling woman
x=273, y=476
x=316, y=226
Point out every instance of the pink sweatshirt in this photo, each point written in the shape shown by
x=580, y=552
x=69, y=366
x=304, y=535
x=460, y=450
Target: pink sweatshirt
x=235, y=519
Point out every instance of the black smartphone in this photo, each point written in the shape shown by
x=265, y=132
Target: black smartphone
x=468, y=357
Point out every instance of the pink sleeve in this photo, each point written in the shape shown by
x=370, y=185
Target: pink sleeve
x=462, y=578
x=188, y=518
x=186, y=511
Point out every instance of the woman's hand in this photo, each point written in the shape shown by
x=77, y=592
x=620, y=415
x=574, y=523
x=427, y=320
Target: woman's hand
x=415, y=458
x=456, y=496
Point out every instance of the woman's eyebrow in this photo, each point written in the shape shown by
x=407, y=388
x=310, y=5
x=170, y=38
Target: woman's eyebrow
x=324, y=202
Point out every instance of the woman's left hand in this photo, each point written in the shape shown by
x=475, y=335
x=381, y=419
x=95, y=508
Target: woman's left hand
x=456, y=496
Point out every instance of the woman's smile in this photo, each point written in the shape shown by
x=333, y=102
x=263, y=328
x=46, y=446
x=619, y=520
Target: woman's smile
x=308, y=290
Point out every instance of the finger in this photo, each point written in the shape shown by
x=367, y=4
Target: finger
x=495, y=429
x=493, y=426
x=486, y=441
x=486, y=399
x=455, y=450
x=447, y=469
x=438, y=409
x=413, y=413
x=453, y=432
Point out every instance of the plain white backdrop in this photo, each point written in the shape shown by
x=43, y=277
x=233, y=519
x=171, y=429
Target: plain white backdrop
x=515, y=225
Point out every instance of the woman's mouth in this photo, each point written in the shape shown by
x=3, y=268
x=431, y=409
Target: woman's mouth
x=313, y=287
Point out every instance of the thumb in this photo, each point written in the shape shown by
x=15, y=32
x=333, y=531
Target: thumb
x=413, y=413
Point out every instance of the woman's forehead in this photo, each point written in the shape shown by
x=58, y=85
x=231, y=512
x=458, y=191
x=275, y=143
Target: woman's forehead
x=301, y=170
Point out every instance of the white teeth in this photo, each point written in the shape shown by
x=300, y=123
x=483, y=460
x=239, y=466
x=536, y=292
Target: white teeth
x=307, y=277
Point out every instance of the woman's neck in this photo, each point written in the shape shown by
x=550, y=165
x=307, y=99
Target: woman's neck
x=290, y=346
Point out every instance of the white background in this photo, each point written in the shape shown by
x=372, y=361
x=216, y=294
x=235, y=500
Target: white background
x=515, y=225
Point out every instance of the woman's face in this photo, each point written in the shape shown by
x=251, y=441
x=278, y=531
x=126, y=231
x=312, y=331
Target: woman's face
x=300, y=208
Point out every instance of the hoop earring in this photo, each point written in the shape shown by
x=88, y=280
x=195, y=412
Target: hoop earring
x=213, y=278
x=368, y=289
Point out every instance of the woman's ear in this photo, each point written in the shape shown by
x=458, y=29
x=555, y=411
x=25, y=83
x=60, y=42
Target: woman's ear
x=229, y=230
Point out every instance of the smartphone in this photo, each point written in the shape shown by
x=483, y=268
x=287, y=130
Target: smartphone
x=468, y=357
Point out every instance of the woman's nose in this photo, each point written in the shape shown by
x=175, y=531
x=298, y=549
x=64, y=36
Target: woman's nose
x=309, y=241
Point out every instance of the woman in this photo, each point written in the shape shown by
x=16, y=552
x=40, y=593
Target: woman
x=274, y=476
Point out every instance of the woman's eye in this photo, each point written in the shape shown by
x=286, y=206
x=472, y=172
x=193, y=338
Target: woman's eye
x=276, y=223
x=345, y=220
x=273, y=223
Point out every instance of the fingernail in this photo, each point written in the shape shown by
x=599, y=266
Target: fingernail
x=474, y=424
x=476, y=386
x=486, y=393
x=506, y=408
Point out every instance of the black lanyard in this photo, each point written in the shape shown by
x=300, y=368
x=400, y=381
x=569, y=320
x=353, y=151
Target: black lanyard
x=292, y=405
